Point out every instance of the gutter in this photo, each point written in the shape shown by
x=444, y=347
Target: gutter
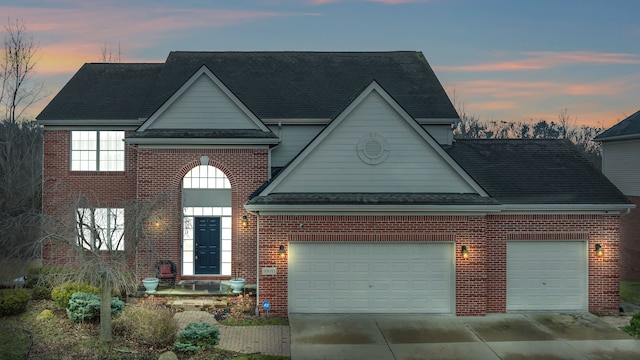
x=257, y=310
x=283, y=209
x=202, y=141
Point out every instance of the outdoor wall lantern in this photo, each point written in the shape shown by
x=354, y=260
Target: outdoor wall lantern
x=157, y=222
x=599, y=250
x=245, y=221
x=465, y=252
x=281, y=251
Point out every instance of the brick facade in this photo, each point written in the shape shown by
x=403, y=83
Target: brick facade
x=481, y=279
x=152, y=173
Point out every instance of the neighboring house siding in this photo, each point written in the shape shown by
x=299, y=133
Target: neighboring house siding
x=411, y=166
x=621, y=164
x=62, y=186
x=161, y=172
x=481, y=279
x=293, y=139
x=203, y=106
x=630, y=243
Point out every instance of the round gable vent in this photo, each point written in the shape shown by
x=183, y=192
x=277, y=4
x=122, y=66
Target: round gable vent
x=373, y=149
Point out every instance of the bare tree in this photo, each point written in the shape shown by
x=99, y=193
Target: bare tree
x=101, y=243
x=18, y=91
x=107, y=54
x=20, y=196
x=471, y=127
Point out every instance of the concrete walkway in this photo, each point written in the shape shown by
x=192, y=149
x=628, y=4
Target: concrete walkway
x=267, y=339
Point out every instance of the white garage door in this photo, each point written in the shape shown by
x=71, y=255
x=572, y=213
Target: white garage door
x=545, y=275
x=371, y=278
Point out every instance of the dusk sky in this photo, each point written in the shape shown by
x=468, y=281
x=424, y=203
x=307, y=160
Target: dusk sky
x=504, y=59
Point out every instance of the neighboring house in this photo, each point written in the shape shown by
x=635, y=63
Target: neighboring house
x=621, y=164
x=332, y=181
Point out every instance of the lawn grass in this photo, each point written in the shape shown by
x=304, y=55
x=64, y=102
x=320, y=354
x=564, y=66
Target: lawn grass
x=630, y=292
x=254, y=321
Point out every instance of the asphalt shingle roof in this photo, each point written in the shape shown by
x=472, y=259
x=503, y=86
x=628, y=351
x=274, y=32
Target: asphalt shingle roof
x=271, y=84
x=103, y=91
x=370, y=199
x=534, y=171
x=627, y=127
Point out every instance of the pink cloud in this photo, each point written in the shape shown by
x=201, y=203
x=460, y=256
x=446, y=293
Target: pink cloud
x=538, y=60
x=66, y=42
x=514, y=89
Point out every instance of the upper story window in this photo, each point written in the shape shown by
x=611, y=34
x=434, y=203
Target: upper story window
x=97, y=151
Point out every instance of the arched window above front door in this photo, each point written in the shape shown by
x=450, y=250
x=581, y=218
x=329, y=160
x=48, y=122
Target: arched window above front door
x=205, y=177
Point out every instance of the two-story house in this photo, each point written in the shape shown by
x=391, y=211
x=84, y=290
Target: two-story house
x=332, y=181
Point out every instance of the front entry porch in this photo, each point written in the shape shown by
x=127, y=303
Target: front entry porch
x=186, y=288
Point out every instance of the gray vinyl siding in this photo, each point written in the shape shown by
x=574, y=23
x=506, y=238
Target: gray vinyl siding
x=621, y=164
x=203, y=106
x=412, y=165
x=293, y=138
x=441, y=133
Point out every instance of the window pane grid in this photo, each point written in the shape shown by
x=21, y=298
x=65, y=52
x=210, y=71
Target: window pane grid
x=205, y=177
x=97, y=151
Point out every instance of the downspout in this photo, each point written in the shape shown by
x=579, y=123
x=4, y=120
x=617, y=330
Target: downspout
x=625, y=212
x=257, y=261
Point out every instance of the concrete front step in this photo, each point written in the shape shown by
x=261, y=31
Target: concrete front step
x=196, y=304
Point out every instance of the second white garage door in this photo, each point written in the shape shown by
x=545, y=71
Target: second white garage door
x=371, y=278
x=547, y=275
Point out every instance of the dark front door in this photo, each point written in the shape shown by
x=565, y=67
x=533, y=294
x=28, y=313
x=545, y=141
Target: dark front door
x=207, y=245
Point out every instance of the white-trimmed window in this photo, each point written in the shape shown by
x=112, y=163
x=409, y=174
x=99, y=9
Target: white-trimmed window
x=97, y=150
x=205, y=177
x=100, y=228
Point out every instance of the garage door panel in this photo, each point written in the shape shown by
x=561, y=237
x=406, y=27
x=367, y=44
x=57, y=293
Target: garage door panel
x=549, y=275
x=372, y=277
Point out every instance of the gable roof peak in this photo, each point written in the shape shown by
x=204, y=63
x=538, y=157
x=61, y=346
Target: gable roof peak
x=626, y=129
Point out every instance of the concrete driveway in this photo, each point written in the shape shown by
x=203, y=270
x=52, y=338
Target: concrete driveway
x=501, y=336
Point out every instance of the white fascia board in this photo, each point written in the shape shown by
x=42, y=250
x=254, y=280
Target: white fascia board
x=438, y=209
x=372, y=209
x=201, y=146
x=200, y=141
x=300, y=121
x=204, y=70
x=619, y=137
x=324, y=121
x=434, y=121
x=91, y=123
x=566, y=208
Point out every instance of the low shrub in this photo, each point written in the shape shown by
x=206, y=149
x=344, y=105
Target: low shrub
x=197, y=337
x=13, y=301
x=86, y=306
x=633, y=328
x=42, y=279
x=148, y=324
x=39, y=292
x=62, y=293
